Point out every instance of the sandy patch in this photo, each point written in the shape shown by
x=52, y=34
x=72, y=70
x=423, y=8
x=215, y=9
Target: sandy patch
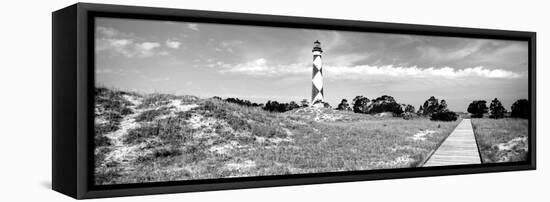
x=318, y=114
x=224, y=148
x=100, y=120
x=248, y=164
x=399, y=162
x=518, y=143
x=175, y=106
x=405, y=147
x=181, y=108
x=121, y=151
x=422, y=135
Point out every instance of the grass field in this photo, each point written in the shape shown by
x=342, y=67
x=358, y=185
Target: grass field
x=501, y=140
x=151, y=138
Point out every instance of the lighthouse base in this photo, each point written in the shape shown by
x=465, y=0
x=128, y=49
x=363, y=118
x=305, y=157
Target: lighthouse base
x=320, y=104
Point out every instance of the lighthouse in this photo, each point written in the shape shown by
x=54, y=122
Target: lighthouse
x=317, y=78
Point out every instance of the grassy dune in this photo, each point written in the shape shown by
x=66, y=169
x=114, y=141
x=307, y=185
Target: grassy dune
x=167, y=138
x=501, y=140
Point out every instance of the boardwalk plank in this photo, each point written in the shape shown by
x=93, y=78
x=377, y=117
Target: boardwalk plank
x=459, y=148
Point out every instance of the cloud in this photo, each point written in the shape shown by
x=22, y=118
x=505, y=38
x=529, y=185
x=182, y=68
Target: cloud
x=103, y=71
x=147, y=49
x=227, y=46
x=160, y=79
x=193, y=26
x=108, y=31
x=173, y=44
x=115, y=42
x=456, y=53
x=357, y=72
x=261, y=67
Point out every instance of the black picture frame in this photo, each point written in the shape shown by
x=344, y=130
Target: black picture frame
x=73, y=76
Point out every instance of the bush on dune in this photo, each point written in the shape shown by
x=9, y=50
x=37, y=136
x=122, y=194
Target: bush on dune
x=444, y=116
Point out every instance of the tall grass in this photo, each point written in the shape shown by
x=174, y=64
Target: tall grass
x=492, y=132
x=237, y=141
x=110, y=109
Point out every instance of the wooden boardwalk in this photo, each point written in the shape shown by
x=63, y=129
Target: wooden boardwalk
x=459, y=148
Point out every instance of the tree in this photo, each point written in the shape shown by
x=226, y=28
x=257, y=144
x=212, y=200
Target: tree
x=442, y=106
x=520, y=109
x=409, y=109
x=420, y=110
x=430, y=106
x=344, y=105
x=360, y=104
x=497, y=110
x=304, y=103
x=477, y=108
x=385, y=103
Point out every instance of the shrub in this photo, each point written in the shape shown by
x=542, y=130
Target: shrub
x=208, y=105
x=520, y=109
x=304, y=103
x=101, y=140
x=477, y=108
x=407, y=115
x=444, y=116
x=242, y=102
x=274, y=106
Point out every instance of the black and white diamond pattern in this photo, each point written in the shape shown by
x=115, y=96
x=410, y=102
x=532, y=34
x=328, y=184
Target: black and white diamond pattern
x=317, y=79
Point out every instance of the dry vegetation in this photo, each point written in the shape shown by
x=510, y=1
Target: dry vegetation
x=150, y=138
x=501, y=140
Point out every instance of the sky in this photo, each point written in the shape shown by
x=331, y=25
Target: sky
x=274, y=63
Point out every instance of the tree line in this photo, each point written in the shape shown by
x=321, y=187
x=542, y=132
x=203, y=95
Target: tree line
x=520, y=109
x=432, y=107
x=272, y=106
